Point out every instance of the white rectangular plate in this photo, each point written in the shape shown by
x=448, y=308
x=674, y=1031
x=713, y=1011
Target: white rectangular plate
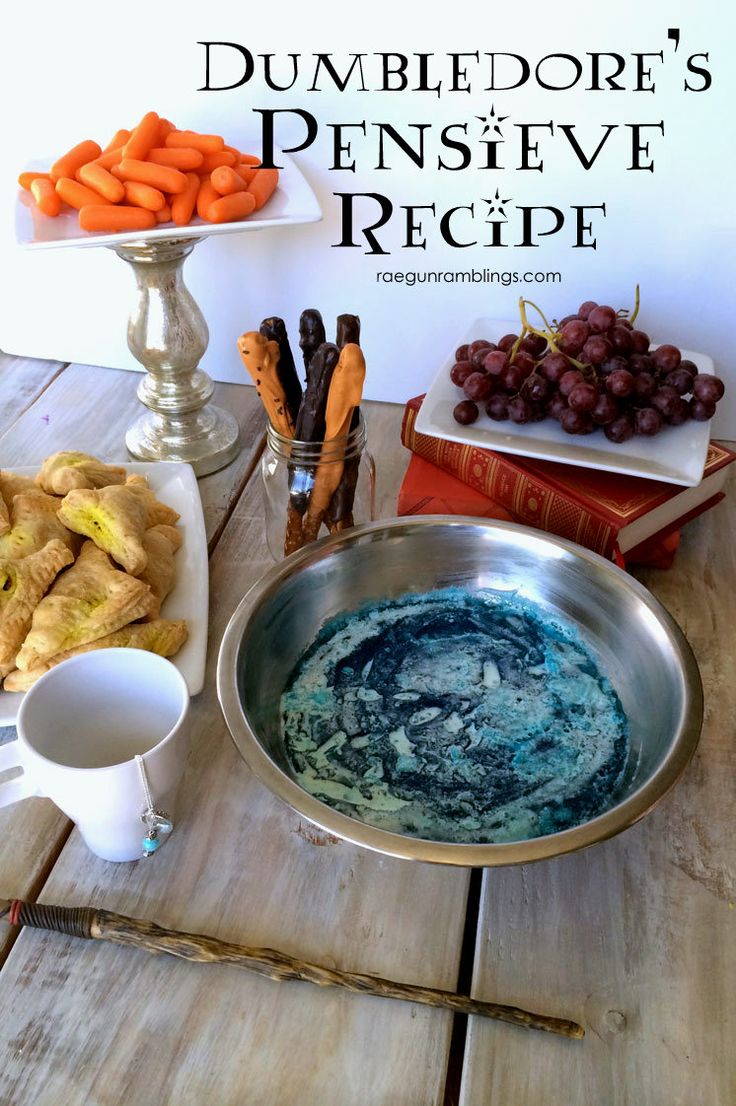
x=292, y=203
x=176, y=485
x=675, y=456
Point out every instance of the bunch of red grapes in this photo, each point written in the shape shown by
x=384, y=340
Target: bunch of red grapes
x=593, y=369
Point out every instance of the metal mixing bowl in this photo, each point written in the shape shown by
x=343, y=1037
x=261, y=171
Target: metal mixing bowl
x=639, y=646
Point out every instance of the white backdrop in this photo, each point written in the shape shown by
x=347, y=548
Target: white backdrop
x=85, y=72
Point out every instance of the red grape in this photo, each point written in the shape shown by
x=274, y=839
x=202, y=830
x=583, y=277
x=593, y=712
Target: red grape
x=496, y=362
x=620, y=383
x=707, y=388
x=570, y=380
x=641, y=363
x=680, y=380
x=690, y=366
x=554, y=366
x=612, y=363
x=585, y=308
x=537, y=412
x=478, y=386
x=519, y=410
x=620, y=430
x=573, y=337
x=620, y=338
x=567, y=319
x=537, y=388
x=647, y=421
x=497, y=407
x=623, y=321
x=680, y=413
x=479, y=343
x=524, y=362
x=583, y=397
x=601, y=319
x=461, y=353
x=605, y=410
x=666, y=358
x=644, y=386
x=639, y=341
x=478, y=356
x=596, y=350
x=465, y=412
x=460, y=371
x=575, y=422
x=535, y=344
x=556, y=405
x=507, y=342
x=512, y=378
x=700, y=410
x=666, y=400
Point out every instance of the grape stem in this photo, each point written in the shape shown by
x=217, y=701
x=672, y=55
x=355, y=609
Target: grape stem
x=547, y=334
x=635, y=312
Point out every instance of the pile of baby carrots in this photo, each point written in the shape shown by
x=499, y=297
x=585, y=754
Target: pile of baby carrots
x=151, y=175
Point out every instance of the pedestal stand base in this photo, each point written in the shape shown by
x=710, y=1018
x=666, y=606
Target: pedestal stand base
x=207, y=439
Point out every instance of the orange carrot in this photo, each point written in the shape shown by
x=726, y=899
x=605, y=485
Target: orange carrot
x=73, y=159
x=214, y=161
x=205, y=143
x=143, y=137
x=113, y=218
x=46, y=196
x=94, y=176
x=205, y=197
x=250, y=159
x=226, y=181
x=247, y=172
x=229, y=208
x=263, y=185
x=164, y=214
x=118, y=139
x=142, y=195
x=182, y=206
x=110, y=158
x=25, y=180
x=181, y=158
x=78, y=195
x=158, y=176
x=165, y=127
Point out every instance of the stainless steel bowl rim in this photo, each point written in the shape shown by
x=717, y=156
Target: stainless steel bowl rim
x=613, y=821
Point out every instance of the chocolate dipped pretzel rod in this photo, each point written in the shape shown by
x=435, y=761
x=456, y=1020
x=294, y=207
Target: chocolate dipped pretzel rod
x=339, y=515
x=274, y=329
x=261, y=357
x=345, y=394
x=104, y=925
x=311, y=335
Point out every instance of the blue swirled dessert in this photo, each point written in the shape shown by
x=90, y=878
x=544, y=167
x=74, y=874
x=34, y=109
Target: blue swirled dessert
x=455, y=716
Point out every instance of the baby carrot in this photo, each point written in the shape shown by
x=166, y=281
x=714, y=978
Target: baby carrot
x=78, y=195
x=118, y=139
x=113, y=218
x=165, y=127
x=110, y=158
x=46, y=196
x=182, y=206
x=247, y=172
x=263, y=185
x=205, y=143
x=230, y=208
x=250, y=159
x=142, y=195
x=94, y=176
x=25, y=180
x=181, y=158
x=73, y=159
x=158, y=176
x=214, y=161
x=164, y=214
x=205, y=197
x=143, y=137
x=226, y=181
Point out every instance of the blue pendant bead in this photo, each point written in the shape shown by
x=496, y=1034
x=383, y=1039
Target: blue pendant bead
x=158, y=822
x=150, y=844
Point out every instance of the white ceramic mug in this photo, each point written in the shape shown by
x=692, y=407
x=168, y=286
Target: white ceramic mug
x=80, y=727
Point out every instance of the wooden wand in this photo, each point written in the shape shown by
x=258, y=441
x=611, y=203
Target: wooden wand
x=104, y=925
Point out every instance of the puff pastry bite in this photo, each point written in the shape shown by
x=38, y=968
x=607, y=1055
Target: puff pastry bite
x=114, y=518
x=161, y=636
x=22, y=586
x=33, y=523
x=88, y=602
x=160, y=544
x=63, y=472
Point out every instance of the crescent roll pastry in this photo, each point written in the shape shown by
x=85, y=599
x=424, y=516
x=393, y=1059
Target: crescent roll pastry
x=88, y=602
x=160, y=544
x=63, y=472
x=22, y=586
x=33, y=523
x=162, y=637
x=4, y=517
x=114, y=518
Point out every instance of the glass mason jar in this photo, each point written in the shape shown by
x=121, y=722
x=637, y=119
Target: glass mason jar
x=315, y=488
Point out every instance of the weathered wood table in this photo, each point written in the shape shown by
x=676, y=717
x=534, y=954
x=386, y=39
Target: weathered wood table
x=634, y=937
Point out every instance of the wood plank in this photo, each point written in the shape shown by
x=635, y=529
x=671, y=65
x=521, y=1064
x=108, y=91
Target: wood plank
x=90, y=408
x=22, y=379
x=634, y=937
x=243, y=866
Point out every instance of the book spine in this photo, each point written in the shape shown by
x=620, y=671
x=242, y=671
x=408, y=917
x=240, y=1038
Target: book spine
x=529, y=500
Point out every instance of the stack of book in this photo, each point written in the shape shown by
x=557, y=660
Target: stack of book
x=626, y=518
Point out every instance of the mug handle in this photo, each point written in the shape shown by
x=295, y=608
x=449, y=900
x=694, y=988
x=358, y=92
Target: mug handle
x=22, y=786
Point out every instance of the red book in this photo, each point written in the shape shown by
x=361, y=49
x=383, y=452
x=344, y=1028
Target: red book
x=607, y=512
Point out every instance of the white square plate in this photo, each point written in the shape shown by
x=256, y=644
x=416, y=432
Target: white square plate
x=176, y=485
x=675, y=456
x=292, y=203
